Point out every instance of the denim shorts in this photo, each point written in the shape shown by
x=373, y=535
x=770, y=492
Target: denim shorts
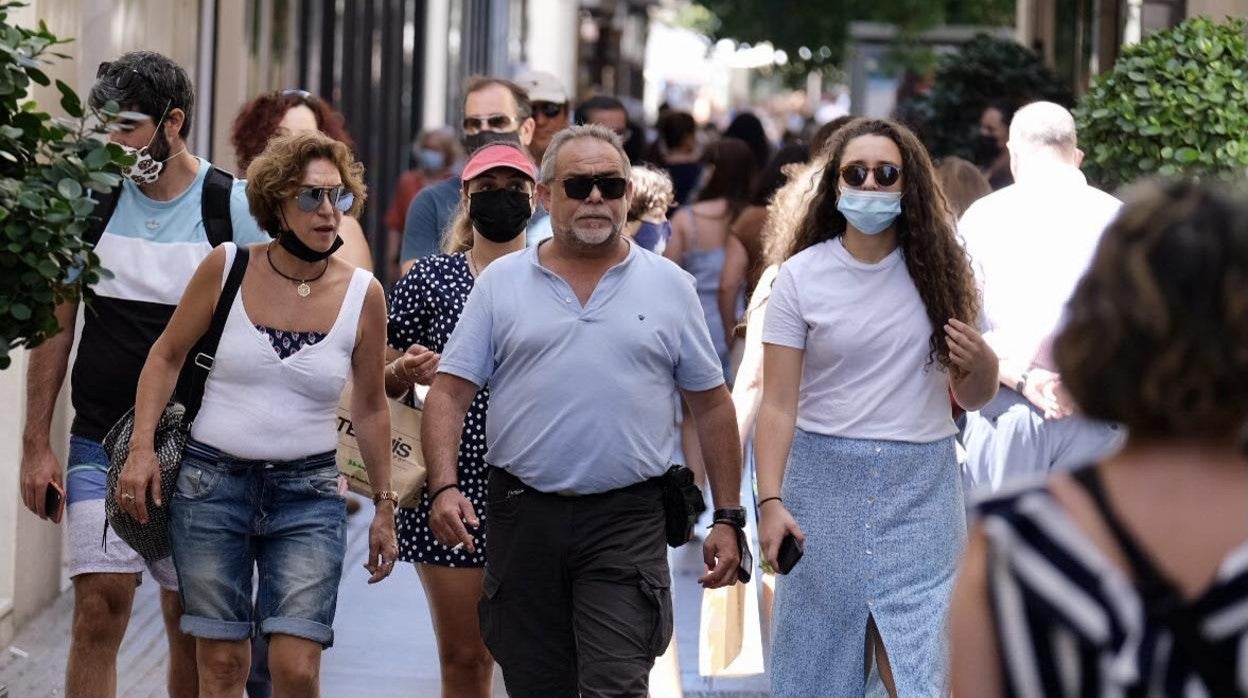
x=286, y=520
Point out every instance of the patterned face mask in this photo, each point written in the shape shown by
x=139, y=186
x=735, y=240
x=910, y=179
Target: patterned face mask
x=146, y=168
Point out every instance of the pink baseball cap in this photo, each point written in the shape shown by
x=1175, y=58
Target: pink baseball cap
x=499, y=155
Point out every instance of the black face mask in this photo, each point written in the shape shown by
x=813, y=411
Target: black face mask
x=292, y=244
x=499, y=215
x=476, y=141
x=985, y=150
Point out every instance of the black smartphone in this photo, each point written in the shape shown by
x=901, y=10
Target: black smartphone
x=789, y=555
x=54, y=502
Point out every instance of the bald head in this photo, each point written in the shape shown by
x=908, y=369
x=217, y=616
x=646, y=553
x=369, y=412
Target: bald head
x=1043, y=131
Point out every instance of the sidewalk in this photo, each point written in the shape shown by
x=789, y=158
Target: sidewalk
x=384, y=645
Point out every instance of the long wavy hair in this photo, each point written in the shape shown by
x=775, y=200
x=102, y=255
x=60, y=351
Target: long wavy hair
x=925, y=230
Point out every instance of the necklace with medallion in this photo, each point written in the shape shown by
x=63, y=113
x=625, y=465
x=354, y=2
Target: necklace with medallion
x=301, y=285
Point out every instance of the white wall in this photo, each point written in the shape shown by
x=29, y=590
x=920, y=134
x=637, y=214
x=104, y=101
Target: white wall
x=551, y=45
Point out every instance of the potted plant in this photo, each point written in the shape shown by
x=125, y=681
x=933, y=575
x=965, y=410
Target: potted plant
x=48, y=169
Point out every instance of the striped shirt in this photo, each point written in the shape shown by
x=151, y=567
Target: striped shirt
x=1070, y=622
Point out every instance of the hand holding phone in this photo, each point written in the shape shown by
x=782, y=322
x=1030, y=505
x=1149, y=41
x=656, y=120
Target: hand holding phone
x=54, y=502
x=791, y=551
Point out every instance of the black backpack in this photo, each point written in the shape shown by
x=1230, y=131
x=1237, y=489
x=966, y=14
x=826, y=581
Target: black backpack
x=215, y=205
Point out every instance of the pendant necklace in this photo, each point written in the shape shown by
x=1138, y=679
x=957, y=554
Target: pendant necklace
x=301, y=287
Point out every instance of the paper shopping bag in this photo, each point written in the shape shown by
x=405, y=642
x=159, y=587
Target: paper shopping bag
x=730, y=642
x=407, y=466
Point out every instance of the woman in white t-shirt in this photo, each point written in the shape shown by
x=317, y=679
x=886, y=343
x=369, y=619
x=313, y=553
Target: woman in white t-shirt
x=866, y=333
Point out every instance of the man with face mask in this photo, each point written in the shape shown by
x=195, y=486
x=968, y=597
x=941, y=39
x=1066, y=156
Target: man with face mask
x=493, y=108
x=587, y=343
x=988, y=150
x=152, y=243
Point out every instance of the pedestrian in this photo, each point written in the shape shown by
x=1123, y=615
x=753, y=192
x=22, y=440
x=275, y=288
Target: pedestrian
x=550, y=108
x=494, y=109
x=436, y=154
x=989, y=148
x=296, y=111
x=606, y=111
x=577, y=588
x=1129, y=577
x=498, y=192
x=1030, y=244
x=169, y=210
x=677, y=150
x=868, y=329
x=962, y=183
x=647, y=214
x=258, y=486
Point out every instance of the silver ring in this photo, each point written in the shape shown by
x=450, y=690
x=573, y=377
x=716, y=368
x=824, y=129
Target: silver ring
x=128, y=496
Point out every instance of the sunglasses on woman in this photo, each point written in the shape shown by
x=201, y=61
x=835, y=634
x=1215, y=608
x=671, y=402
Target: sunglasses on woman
x=886, y=175
x=582, y=187
x=495, y=122
x=309, y=198
x=547, y=109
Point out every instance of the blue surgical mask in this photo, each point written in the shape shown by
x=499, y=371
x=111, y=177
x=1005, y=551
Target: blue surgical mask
x=869, y=211
x=431, y=160
x=653, y=236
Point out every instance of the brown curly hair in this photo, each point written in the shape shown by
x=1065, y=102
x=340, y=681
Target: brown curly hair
x=925, y=230
x=257, y=120
x=275, y=175
x=1156, y=334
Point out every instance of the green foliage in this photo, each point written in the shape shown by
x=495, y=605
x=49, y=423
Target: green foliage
x=47, y=166
x=984, y=70
x=1173, y=104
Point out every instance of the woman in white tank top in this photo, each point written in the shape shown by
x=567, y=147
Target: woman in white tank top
x=257, y=488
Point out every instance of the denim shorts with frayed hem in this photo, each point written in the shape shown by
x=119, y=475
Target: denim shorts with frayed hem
x=286, y=520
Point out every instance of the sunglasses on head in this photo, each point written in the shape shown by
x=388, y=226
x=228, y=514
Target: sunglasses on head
x=303, y=95
x=581, y=187
x=124, y=79
x=496, y=122
x=309, y=198
x=547, y=109
x=886, y=175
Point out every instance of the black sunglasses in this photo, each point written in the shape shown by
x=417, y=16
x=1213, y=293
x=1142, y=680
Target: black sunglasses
x=581, y=187
x=886, y=175
x=548, y=109
x=309, y=198
x=497, y=122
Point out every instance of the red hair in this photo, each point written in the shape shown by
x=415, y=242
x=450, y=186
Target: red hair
x=256, y=123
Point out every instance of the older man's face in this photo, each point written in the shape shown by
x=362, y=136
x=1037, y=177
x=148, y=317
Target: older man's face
x=595, y=219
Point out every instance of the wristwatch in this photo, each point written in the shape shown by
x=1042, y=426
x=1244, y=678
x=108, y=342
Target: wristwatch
x=388, y=495
x=734, y=516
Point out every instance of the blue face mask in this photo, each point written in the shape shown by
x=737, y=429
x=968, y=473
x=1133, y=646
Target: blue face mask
x=869, y=211
x=653, y=236
x=431, y=159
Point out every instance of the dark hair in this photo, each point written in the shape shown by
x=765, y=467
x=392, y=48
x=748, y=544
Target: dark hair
x=146, y=82
x=820, y=139
x=776, y=174
x=524, y=106
x=676, y=126
x=734, y=174
x=925, y=230
x=748, y=128
x=257, y=122
x=597, y=103
x=1006, y=108
x=1156, y=335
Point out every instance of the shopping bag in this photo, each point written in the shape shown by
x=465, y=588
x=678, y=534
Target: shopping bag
x=730, y=642
x=407, y=465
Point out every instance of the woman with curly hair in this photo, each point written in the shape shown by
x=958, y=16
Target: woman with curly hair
x=1130, y=575
x=297, y=111
x=868, y=328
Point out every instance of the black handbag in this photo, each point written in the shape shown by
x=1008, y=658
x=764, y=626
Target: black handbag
x=151, y=540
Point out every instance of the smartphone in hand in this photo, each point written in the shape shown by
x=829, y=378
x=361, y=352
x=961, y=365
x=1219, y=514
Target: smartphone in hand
x=54, y=502
x=790, y=553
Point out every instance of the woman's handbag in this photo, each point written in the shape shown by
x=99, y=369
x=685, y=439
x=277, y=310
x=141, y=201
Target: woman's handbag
x=151, y=540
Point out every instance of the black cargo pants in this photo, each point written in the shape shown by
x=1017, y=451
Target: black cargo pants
x=577, y=589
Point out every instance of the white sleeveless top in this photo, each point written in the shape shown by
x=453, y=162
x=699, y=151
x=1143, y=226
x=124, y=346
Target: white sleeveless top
x=259, y=406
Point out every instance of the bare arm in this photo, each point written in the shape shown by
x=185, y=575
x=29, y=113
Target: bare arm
x=976, y=656
x=445, y=407
x=44, y=378
x=777, y=418
x=370, y=413
x=675, y=249
x=731, y=281
x=717, y=433
x=747, y=391
x=979, y=368
x=354, y=244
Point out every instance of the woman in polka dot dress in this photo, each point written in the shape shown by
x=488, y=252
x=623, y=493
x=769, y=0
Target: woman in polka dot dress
x=496, y=202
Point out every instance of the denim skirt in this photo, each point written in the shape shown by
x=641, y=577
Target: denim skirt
x=884, y=525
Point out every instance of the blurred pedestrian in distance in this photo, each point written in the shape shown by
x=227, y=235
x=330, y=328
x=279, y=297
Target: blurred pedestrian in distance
x=435, y=154
x=494, y=109
x=820, y=139
x=297, y=111
x=869, y=327
x=257, y=489
x=551, y=108
x=498, y=182
x=748, y=128
x=676, y=150
x=647, y=214
x=962, y=183
x=1029, y=244
x=606, y=111
x=989, y=149
x=1131, y=573
x=577, y=586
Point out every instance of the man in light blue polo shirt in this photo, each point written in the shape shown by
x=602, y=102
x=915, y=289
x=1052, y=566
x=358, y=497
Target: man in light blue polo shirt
x=586, y=343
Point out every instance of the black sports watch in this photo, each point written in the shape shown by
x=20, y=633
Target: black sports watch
x=734, y=516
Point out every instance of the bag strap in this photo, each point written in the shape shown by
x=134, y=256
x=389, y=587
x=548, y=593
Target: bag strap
x=205, y=350
x=215, y=206
x=105, y=206
x=1163, y=603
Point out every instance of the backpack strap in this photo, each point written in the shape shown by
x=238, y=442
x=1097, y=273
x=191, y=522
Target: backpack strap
x=1163, y=604
x=215, y=205
x=202, y=356
x=105, y=206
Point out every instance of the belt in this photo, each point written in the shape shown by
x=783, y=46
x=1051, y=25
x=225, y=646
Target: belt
x=514, y=482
